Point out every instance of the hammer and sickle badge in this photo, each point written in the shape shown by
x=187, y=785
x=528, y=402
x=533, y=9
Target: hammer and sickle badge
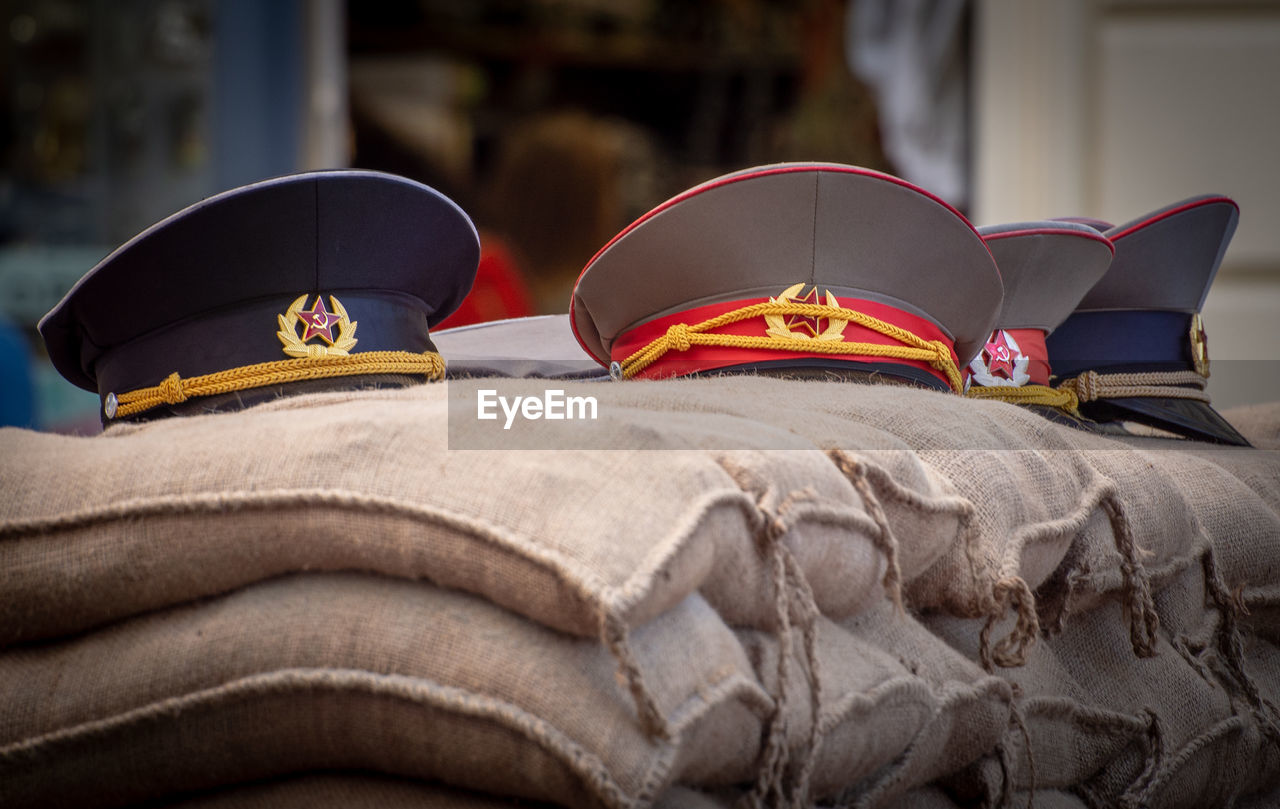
x=1001, y=362
x=317, y=322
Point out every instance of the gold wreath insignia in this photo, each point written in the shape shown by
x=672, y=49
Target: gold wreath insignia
x=778, y=326
x=293, y=345
x=1199, y=346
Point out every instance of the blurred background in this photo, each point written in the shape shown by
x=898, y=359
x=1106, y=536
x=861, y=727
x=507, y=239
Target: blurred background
x=554, y=123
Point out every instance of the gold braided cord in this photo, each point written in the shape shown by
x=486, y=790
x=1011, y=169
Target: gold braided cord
x=174, y=389
x=1063, y=399
x=1091, y=385
x=681, y=336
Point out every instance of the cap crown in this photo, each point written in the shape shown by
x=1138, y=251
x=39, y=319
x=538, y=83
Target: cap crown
x=199, y=291
x=752, y=234
x=1167, y=259
x=1047, y=266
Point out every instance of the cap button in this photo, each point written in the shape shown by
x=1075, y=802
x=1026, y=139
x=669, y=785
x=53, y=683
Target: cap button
x=110, y=405
x=615, y=371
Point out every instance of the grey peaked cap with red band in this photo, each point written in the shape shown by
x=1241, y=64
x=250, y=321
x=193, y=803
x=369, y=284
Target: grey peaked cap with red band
x=1047, y=266
x=752, y=234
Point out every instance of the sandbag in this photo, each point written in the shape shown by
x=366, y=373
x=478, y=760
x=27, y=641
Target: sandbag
x=870, y=708
x=972, y=504
x=1101, y=578
x=585, y=542
x=351, y=671
x=1260, y=423
x=1187, y=726
x=343, y=790
x=350, y=790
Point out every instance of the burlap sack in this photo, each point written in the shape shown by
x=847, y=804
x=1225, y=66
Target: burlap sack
x=895, y=709
x=176, y=509
x=1211, y=741
x=1060, y=737
x=344, y=791
x=582, y=541
x=970, y=714
x=350, y=671
x=1259, y=423
x=1188, y=726
x=927, y=462
x=987, y=503
x=758, y=429
x=974, y=504
x=1244, y=526
x=1262, y=656
x=368, y=791
x=783, y=503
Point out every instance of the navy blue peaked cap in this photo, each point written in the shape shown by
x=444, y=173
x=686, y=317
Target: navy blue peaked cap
x=201, y=291
x=1142, y=317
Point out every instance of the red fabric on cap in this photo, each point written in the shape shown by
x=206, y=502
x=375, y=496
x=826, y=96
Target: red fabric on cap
x=706, y=358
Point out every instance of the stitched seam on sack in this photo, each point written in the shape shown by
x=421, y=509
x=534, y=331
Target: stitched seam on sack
x=1071, y=523
x=615, y=602
x=1184, y=754
x=948, y=504
x=896, y=772
x=625, y=596
x=418, y=690
x=1085, y=717
x=897, y=691
x=1106, y=582
x=886, y=488
x=733, y=686
x=206, y=503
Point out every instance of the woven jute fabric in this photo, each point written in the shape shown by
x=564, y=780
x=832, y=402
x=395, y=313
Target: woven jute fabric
x=344, y=790
x=350, y=671
x=1008, y=605
x=1192, y=724
x=1259, y=423
x=969, y=506
x=153, y=515
x=871, y=708
x=184, y=508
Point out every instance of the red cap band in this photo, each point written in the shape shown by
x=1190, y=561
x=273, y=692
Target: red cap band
x=696, y=358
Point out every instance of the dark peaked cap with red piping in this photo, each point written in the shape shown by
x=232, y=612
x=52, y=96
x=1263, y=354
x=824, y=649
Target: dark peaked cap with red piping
x=1134, y=348
x=806, y=233
x=206, y=290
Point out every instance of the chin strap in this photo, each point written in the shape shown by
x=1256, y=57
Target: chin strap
x=681, y=336
x=1091, y=386
x=1063, y=399
x=175, y=389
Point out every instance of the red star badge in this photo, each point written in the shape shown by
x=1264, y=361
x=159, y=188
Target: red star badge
x=809, y=324
x=319, y=321
x=999, y=355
